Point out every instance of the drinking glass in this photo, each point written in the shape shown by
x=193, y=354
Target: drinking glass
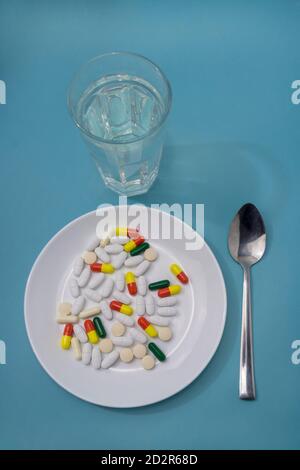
x=120, y=102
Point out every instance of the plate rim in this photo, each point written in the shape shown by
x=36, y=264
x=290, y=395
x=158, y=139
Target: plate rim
x=77, y=395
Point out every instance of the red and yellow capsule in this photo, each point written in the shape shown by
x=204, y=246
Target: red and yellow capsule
x=147, y=327
x=179, y=273
x=91, y=331
x=130, y=282
x=167, y=291
x=129, y=246
x=102, y=268
x=127, y=232
x=67, y=336
x=122, y=308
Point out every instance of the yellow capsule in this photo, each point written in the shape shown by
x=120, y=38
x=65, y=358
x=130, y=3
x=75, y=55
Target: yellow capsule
x=129, y=246
x=126, y=309
x=107, y=268
x=151, y=331
x=121, y=231
x=66, y=341
x=175, y=269
x=129, y=277
x=174, y=289
x=93, y=337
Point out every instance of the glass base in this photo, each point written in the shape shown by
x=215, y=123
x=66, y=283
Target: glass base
x=131, y=188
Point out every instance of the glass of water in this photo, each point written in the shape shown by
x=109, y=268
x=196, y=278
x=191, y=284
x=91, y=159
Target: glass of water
x=120, y=102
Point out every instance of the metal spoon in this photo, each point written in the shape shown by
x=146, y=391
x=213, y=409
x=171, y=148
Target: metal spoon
x=247, y=243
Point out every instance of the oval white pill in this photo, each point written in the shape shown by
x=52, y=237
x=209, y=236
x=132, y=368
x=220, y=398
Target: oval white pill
x=167, y=301
x=96, y=358
x=78, y=266
x=164, y=333
x=107, y=287
x=65, y=308
x=142, y=268
x=102, y=255
x=78, y=305
x=89, y=257
x=74, y=288
x=76, y=347
x=119, y=260
x=139, y=351
x=121, y=297
x=148, y=362
x=150, y=305
x=80, y=333
x=118, y=329
x=126, y=355
x=140, y=306
x=122, y=341
x=160, y=321
x=133, y=261
x=86, y=353
x=141, y=285
x=125, y=319
x=106, y=345
x=137, y=335
x=120, y=281
x=113, y=249
x=105, y=309
x=110, y=359
x=119, y=240
x=84, y=277
x=89, y=312
x=93, y=295
x=96, y=281
x=93, y=244
x=61, y=319
x=167, y=311
x=150, y=254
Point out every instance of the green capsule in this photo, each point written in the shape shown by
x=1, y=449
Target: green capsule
x=159, y=284
x=99, y=327
x=157, y=352
x=139, y=249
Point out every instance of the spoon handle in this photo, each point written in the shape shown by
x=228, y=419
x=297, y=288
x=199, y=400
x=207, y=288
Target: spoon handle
x=247, y=383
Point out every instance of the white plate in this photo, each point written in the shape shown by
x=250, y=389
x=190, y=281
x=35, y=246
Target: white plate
x=197, y=330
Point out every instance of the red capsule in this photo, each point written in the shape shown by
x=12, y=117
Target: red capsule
x=68, y=330
x=89, y=326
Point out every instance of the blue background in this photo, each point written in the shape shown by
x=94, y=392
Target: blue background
x=234, y=137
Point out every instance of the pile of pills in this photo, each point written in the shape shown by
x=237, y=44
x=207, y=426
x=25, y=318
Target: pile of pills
x=125, y=318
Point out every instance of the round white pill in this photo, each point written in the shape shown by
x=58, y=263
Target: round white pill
x=142, y=268
x=148, y=362
x=139, y=351
x=119, y=260
x=105, y=241
x=102, y=255
x=150, y=254
x=118, y=329
x=106, y=345
x=105, y=309
x=110, y=359
x=84, y=277
x=89, y=257
x=133, y=261
x=65, y=308
x=74, y=287
x=78, y=305
x=114, y=249
x=141, y=285
x=78, y=266
x=80, y=333
x=107, y=287
x=96, y=281
x=96, y=358
x=126, y=355
x=164, y=333
x=86, y=353
x=121, y=297
x=93, y=244
x=120, y=281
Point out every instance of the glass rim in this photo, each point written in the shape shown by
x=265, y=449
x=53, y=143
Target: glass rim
x=153, y=130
